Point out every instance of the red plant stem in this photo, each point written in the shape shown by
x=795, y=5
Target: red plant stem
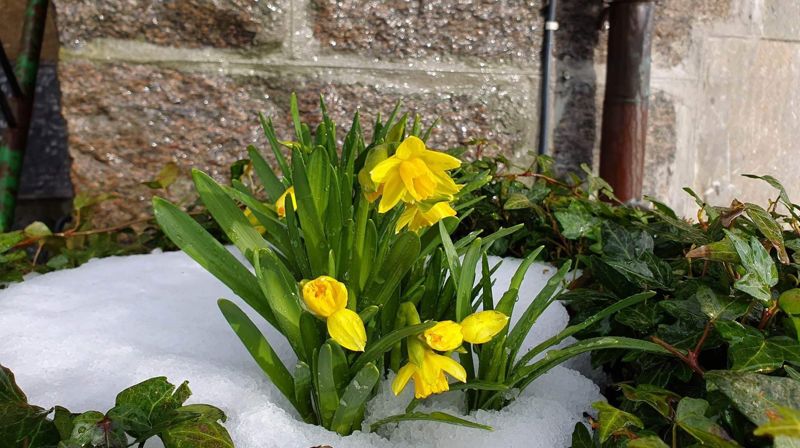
x=766, y=316
x=690, y=358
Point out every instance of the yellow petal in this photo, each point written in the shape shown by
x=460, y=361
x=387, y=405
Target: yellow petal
x=403, y=375
x=405, y=218
x=439, y=161
x=384, y=169
x=444, y=336
x=408, y=173
x=449, y=365
x=446, y=186
x=392, y=192
x=421, y=388
x=325, y=295
x=411, y=146
x=481, y=327
x=280, y=204
x=347, y=329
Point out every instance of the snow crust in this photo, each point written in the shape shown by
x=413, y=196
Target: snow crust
x=77, y=337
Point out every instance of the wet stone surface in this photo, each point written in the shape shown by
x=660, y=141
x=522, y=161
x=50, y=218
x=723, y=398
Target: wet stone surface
x=506, y=31
x=127, y=121
x=184, y=23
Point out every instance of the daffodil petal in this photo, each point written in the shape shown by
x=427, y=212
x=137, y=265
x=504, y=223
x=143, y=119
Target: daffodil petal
x=405, y=218
x=347, y=329
x=439, y=161
x=411, y=146
x=403, y=375
x=481, y=327
x=392, y=193
x=383, y=170
x=407, y=174
x=452, y=367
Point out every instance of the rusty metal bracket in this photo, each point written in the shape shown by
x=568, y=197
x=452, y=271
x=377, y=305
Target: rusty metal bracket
x=625, y=107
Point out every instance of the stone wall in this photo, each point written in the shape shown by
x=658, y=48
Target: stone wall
x=145, y=82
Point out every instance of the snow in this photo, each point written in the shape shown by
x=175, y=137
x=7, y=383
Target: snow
x=77, y=337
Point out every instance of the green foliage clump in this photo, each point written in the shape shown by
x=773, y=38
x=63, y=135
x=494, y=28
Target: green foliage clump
x=726, y=306
x=152, y=408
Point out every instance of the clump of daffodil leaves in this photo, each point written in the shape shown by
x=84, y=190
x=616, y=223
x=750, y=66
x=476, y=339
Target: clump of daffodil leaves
x=352, y=262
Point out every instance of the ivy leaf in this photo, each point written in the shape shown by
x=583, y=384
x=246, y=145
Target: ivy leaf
x=783, y=422
x=690, y=416
x=139, y=408
x=718, y=307
x=581, y=437
x=659, y=399
x=784, y=197
x=9, y=391
x=752, y=352
x=769, y=228
x=203, y=433
x=517, y=201
x=37, y=230
x=92, y=428
x=647, y=442
x=760, y=271
x=754, y=395
x=576, y=221
x=613, y=421
x=22, y=424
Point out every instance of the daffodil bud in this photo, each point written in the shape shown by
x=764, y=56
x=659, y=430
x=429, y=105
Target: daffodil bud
x=444, y=336
x=280, y=204
x=347, y=329
x=481, y=327
x=325, y=295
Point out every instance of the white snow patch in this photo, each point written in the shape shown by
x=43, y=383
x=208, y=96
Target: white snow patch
x=77, y=337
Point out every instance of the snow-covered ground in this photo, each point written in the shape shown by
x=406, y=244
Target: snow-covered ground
x=77, y=337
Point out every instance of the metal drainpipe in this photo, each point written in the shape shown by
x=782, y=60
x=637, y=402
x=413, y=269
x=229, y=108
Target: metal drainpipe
x=550, y=27
x=12, y=146
x=624, y=130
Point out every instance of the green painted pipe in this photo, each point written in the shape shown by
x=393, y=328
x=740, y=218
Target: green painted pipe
x=12, y=146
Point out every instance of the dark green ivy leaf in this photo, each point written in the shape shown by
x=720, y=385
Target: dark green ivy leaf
x=690, y=416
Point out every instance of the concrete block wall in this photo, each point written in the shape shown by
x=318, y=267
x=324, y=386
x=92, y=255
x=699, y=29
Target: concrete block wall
x=146, y=82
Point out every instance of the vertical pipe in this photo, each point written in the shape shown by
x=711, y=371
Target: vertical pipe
x=550, y=27
x=12, y=147
x=622, y=144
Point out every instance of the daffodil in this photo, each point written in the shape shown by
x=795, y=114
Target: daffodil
x=414, y=174
x=477, y=328
x=280, y=204
x=417, y=217
x=429, y=376
x=326, y=297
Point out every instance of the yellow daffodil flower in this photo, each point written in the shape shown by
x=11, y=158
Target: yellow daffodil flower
x=416, y=217
x=326, y=297
x=481, y=327
x=413, y=174
x=477, y=328
x=280, y=204
x=444, y=336
x=254, y=221
x=429, y=377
